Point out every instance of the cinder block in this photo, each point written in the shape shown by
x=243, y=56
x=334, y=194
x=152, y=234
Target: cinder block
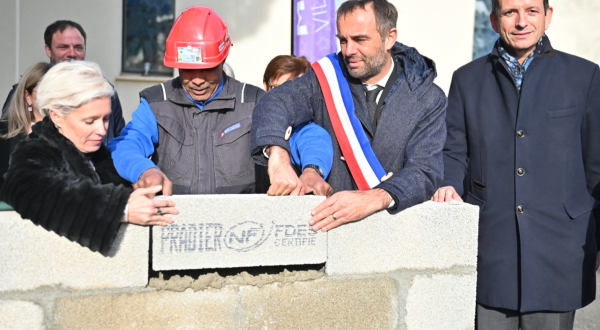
x=324, y=304
x=149, y=310
x=32, y=257
x=429, y=235
x=441, y=301
x=221, y=231
x=20, y=315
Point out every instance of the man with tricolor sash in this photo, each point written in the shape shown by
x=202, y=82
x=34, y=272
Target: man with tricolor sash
x=377, y=100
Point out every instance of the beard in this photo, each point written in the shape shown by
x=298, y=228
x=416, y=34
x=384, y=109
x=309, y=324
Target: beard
x=372, y=67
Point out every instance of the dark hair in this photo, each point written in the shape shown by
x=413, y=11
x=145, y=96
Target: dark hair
x=496, y=7
x=284, y=64
x=61, y=26
x=386, y=14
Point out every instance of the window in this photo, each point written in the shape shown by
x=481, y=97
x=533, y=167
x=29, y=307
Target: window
x=485, y=37
x=146, y=25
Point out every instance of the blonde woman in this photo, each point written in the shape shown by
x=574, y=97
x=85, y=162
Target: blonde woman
x=63, y=178
x=22, y=113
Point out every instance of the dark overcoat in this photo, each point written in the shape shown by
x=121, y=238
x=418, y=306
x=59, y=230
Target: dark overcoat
x=534, y=165
x=408, y=140
x=50, y=182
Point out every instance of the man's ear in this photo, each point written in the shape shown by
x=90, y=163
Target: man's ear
x=390, y=39
x=494, y=22
x=48, y=51
x=548, y=18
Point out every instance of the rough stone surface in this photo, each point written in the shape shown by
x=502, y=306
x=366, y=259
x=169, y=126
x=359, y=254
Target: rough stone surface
x=149, y=310
x=20, y=315
x=31, y=256
x=442, y=301
x=215, y=281
x=222, y=231
x=588, y=318
x=322, y=304
x=429, y=235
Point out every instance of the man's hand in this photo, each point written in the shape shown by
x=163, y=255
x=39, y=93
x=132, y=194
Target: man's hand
x=314, y=183
x=154, y=177
x=347, y=206
x=284, y=180
x=446, y=194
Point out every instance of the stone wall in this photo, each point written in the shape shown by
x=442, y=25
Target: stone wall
x=413, y=270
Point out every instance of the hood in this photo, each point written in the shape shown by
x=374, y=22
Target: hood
x=418, y=69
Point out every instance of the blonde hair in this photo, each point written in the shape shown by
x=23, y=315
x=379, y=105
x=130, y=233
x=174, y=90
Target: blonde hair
x=18, y=116
x=69, y=85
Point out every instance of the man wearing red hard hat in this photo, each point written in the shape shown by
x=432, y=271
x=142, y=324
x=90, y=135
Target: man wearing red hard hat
x=191, y=134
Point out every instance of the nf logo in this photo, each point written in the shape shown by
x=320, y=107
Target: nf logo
x=246, y=236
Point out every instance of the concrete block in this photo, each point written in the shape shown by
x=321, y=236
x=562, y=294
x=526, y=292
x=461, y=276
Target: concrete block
x=20, y=315
x=429, y=235
x=149, y=310
x=222, y=231
x=323, y=304
x=442, y=301
x=31, y=257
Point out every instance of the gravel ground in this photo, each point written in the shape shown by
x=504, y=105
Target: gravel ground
x=588, y=318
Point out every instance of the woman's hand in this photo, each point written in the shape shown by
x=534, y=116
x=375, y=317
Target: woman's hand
x=149, y=212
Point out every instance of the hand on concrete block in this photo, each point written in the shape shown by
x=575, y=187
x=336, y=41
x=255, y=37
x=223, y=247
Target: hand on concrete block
x=446, y=194
x=154, y=177
x=284, y=180
x=347, y=206
x=145, y=211
x=314, y=183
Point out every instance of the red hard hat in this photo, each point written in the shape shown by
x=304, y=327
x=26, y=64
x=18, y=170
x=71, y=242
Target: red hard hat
x=198, y=40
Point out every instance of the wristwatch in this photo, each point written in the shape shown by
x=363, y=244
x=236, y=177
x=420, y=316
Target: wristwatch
x=316, y=168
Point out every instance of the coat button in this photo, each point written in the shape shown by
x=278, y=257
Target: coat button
x=520, y=209
x=520, y=172
x=520, y=133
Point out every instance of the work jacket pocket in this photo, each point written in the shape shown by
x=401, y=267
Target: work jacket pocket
x=561, y=113
x=471, y=199
x=579, y=206
x=175, y=150
x=233, y=165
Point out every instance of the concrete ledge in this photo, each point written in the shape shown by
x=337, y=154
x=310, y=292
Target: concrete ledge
x=33, y=257
x=221, y=231
x=20, y=315
x=427, y=236
x=149, y=310
x=442, y=301
x=323, y=304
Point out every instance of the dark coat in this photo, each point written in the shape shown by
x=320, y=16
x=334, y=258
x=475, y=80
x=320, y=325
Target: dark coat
x=539, y=150
x=6, y=147
x=409, y=138
x=53, y=184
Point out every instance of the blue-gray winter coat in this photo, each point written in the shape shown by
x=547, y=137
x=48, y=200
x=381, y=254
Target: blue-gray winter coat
x=409, y=137
x=534, y=165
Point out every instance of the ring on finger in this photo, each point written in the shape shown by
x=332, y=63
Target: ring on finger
x=158, y=211
x=333, y=216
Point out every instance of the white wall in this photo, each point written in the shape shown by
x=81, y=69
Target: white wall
x=574, y=28
x=439, y=29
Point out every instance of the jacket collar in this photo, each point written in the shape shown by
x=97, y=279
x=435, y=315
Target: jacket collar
x=225, y=100
x=77, y=160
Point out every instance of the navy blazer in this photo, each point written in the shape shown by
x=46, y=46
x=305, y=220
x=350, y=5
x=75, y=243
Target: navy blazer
x=531, y=161
x=408, y=140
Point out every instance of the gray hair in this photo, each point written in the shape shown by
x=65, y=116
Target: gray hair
x=386, y=14
x=496, y=7
x=71, y=84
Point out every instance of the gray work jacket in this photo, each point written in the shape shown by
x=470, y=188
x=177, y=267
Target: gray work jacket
x=205, y=151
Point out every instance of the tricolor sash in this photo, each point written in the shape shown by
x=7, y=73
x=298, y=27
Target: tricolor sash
x=364, y=166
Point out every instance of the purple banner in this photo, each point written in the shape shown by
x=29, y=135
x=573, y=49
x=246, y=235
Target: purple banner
x=314, y=28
